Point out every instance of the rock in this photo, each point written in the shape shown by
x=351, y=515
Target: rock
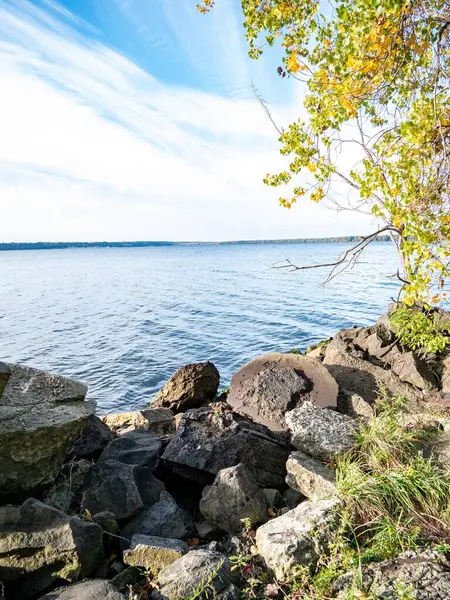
x=159, y=421
x=66, y=492
x=299, y=536
x=39, y=545
x=292, y=498
x=207, y=530
x=317, y=353
x=268, y=386
x=355, y=407
x=94, y=437
x=94, y=589
x=5, y=372
x=41, y=414
x=107, y=521
x=310, y=476
x=209, y=440
x=130, y=576
x=411, y=369
x=134, y=448
x=197, y=568
x=232, y=497
x=190, y=387
x=320, y=432
x=445, y=378
x=361, y=377
x=273, y=497
x=153, y=553
x=421, y=575
x=441, y=449
x=164, y=519
x=149, y=487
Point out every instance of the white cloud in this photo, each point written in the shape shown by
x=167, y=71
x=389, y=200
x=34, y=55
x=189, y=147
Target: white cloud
x=93, y=147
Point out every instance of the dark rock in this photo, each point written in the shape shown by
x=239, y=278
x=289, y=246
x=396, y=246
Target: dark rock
x=310, y=476
x=5, y=372
x=273, y=497
x=130, y=576
x=41, y=414
x=411, y=369
x=164, y=519
x=134, y=448
x=159, y=421
x=191, y=386
x=292, y=498
x=66, y=492
x=268, y=386
x=153, y=553
x=94, y=589
x=148, y=485
x=192, y=570
x=208, y=440
x=232, y=497
x=94, y=437
x=40, y=545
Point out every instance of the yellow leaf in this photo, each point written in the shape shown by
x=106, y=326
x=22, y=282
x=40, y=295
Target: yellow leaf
x=292, y=63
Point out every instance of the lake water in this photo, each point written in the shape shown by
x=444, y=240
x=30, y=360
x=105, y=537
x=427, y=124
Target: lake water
x=124, y=319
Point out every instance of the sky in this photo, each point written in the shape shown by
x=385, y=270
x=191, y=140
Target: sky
x=136, y=120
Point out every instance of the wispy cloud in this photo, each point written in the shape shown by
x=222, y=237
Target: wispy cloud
x=92, y=146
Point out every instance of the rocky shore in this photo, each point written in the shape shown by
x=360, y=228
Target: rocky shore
x=160, y=503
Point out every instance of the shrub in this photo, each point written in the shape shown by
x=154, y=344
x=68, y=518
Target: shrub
x=419, y=330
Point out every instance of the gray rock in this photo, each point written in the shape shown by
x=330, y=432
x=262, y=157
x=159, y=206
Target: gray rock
x=159, y=421
x=130, y=576
x=66, y=492
x=234, y=496
x=268, y=386
x=164, y=519
x=191, y=386
x=355, y=407
x=134, y=448
x=310, y=476
x=95, y=589
x=94, y=437
x=41, y=414
x=292, y=497
x=299, y=536
x=107, y=521
x=153, y=553
x=320, y=432
x=411, y=369
x=199, y=568
x=273, y=497
x=5, y=372
x=445, y=377
x=441, y=449
x=39, y=545
x=208, y=440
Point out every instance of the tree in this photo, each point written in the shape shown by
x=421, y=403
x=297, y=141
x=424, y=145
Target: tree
x=376, y=78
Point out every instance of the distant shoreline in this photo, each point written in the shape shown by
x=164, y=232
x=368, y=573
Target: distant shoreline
x=63, y=245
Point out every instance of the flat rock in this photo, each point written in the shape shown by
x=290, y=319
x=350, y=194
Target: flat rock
x=134, y=448
x=41, y=415
x=159, y=421
x=94, y=437
x=411, y=369
x=164, y=519
x=268, y=386
x=40, y=545
x=320, y=432
x=209, y=440
x=95, y=589
x=189, y=387
x=153, y=553
x=234, y=496
x=310, y=476
x=199, y=567
x=298, y=537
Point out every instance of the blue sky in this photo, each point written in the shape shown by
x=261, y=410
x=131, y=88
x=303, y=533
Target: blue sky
x=135, y=119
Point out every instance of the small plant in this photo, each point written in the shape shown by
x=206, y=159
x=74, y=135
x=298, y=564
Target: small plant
x=419, y=330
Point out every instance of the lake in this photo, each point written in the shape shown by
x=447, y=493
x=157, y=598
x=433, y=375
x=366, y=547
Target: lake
x=124, y=319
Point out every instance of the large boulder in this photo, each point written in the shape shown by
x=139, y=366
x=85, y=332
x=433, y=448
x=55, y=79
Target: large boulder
x=93, y=589
x=153, y=553
x=134, y=448
x=320, y=432
x=234, y=496
x=410, y=368
x=268, y=386
x=159, y=421
x=94, y=437
x=191, y=386
x=210, y=439
x=310, y=476
x=199, y=568
x=300, y=536
x=40, y=545
x=41, y=414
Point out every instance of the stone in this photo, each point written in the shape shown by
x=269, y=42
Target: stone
x=363, y=378
x=199, y=567
x=310, y=477
x=355, y=407
x=5, y=372
x=130, y=576
x=234, y=496
x=441, y=449
x=153, y=553
x=209, y=440
x=317, y=353
x=299, y=536
x=164, y=519
x=320, y=432
x=206, y=530
x=40, y=545
x=94, y=589
x=411, y=369
x=191, y=386
x=66, y=492
x=134, y=448
x=292, y=497
x=159, y=421
x=445, y=377
x=273, y=497
x=107, y=521
x=41, y=414
x=94, y=437
x=268, y=386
